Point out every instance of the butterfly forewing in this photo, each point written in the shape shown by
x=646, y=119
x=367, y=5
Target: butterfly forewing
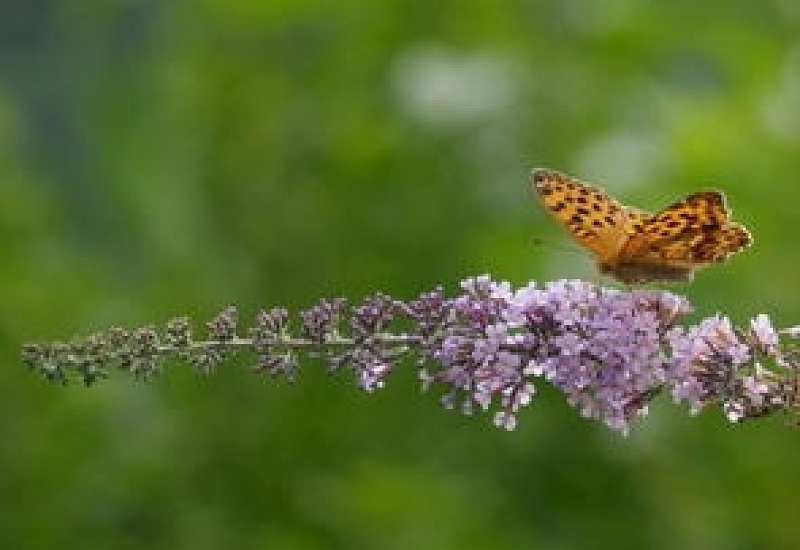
x=592, y=217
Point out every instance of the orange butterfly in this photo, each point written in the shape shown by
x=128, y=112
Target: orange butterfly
x=637, y=247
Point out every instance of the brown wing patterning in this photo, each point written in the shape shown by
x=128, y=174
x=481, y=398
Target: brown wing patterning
x=594, y=218
x=719, y=245
x=699, y=211
x=634, y=246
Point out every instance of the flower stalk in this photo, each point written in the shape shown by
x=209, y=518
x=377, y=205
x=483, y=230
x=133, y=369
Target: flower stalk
x=610, y=352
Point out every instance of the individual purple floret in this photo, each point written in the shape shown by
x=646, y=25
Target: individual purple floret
x=763, y=335
x=372, y=374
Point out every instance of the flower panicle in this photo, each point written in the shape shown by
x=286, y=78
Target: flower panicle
x=610, y=352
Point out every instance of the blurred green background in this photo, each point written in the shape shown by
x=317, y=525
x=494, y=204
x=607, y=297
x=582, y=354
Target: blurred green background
x=163, y=157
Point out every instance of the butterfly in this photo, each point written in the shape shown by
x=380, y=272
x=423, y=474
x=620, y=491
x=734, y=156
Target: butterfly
x=634, y=246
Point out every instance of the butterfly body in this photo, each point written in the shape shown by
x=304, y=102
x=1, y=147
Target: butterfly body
x=640, y=273
x=637, y=247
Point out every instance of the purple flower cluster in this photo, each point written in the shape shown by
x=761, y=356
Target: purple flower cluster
x=368, y=351
x=272, y=327
x=475, y=353
x=321, y=322
x=374, y=356
x=602, y=347
x=713, y=362
x=609, y=351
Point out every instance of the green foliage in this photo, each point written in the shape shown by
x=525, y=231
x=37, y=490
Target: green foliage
x=165, y=157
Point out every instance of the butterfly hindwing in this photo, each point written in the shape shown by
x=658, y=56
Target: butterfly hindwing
x=696, y=212
x=718, y=245
x=694, y=231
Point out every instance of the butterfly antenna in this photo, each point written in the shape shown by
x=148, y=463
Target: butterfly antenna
x=571, y=249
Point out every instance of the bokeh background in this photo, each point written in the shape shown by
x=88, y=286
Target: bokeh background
x=160, y=157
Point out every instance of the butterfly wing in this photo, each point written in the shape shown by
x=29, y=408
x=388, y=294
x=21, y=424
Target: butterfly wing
x=591, y=216
x=718, y=245
x=691, y=233
x=697, y=212
x=636, y=247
